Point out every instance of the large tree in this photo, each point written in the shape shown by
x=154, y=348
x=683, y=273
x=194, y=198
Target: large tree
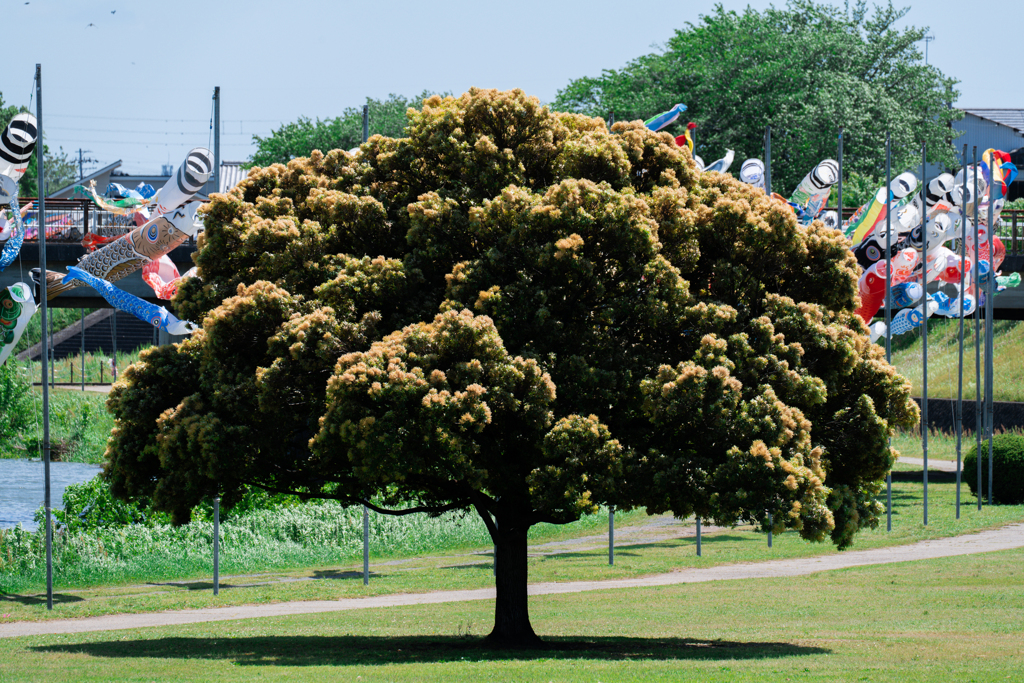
x=299, y=138
x=520, y=313
x=805, y=70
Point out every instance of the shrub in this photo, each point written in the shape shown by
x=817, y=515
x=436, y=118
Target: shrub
x=1007, y=468
x=15, y=402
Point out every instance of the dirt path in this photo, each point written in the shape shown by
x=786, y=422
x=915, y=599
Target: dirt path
x=1006, y=538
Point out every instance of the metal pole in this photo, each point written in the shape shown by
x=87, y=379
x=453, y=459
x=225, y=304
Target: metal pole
x=924, y=322
x=977, y=330
x=888, y=305
x=216, y=138
x=611, y=536
x=960, y=340
x=770, y=530
x=995, y=192
x=768, y=161
x=113, y=370
x=44, y=353
x=53, y=353
x=82, y=313
x=366, y=122
x=839, y=189
x=698, y=537
x=216, y=545
x=366, y=546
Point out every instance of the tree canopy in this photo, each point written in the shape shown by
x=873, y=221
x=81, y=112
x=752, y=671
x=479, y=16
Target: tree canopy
x=301, y=137
x=805, y=70
x=516, y=312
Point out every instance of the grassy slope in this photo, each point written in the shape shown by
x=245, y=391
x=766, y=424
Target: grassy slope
x=908, y=621
x=79, y=427
x=943, y=359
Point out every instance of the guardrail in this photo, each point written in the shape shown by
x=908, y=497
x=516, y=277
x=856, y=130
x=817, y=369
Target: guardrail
x=70, y=220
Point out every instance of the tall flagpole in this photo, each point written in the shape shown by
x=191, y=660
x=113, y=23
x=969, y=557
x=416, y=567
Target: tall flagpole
x=994, y=187
x=839, y=193
x=977, y=328
x=959, y=426
x=924, y=321
x=888, y=304
x=43, y=352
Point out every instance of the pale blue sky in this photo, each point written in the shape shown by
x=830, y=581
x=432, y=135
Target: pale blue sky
x=137, y=85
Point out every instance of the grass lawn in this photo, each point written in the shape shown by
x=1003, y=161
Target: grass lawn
x=464, y=568
x=936, y=620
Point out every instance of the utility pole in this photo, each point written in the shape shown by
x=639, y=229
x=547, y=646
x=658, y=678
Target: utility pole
x=216, y=139
x=82, y=161
x=927, y=39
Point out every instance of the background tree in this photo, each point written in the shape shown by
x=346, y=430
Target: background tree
x=806, y=70
x=299, y=139
x=59, y=168
x=520, y=313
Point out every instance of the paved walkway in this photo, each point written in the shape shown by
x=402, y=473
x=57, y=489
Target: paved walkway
x=937, y=465
x=1006, y=538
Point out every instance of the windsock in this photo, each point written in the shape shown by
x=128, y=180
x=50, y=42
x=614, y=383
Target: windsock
x=905, y=294
x=157, y=316
x=188, y=179
x=814, y=189
x=871, y=214
x=936, y=195
x=1004, y=281
x=700, y=162
x=873, y=249
x=877, y=330
x=663, y=119
x=872, y=291
x=830, y=219
x=903, y=265
x=686, y=139
x=752, y=172
x=722, y=165
x=16, y=308
x=16, y=145
x=911, y=318
x=950, y=306
x=10, y=244
x=125, y=255
x=162, y=275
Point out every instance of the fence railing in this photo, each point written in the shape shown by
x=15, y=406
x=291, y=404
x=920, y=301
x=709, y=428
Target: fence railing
x=70, y=220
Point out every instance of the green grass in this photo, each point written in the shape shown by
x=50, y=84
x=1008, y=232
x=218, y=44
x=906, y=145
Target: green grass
x=456, y=564
x=935, y=620
x=79, y=427
x=943, y=359
x=69, y=370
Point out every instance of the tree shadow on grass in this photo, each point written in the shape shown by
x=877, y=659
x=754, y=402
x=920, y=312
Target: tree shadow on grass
x=371, y=650
x=37, y=599
x=625, y=548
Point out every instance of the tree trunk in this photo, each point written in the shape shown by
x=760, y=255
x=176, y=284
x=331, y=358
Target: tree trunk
x=511, y=609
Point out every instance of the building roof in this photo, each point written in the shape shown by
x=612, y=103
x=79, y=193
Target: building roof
x=1011, y=118
x=231, y=173
x=102, y=177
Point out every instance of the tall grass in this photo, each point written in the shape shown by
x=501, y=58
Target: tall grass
x=79, y=421
x=943, y=359
x=69, y=370
x=315, y=533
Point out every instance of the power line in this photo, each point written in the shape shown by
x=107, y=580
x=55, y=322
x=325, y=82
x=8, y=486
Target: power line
x=136, y=118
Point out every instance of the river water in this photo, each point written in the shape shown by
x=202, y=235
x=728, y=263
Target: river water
x=22, y=487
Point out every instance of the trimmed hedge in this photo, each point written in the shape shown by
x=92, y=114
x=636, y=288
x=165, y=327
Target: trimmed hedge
x=1007, y=467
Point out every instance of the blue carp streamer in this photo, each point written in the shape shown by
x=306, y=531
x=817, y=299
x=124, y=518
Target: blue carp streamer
x=157, y=316
x=13, y=246
x=658, y=122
